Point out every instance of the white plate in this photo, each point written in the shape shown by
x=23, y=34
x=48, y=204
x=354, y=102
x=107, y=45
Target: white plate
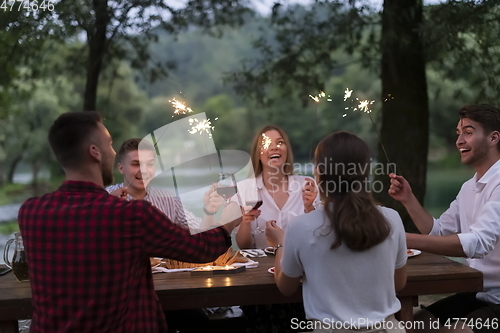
x=413, y=253
x=269, y=250
x=271, y=270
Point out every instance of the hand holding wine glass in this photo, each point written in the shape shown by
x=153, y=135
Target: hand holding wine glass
x=212, y=201
x=253, y=200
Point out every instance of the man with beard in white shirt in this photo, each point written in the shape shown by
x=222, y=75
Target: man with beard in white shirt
x=469, y=228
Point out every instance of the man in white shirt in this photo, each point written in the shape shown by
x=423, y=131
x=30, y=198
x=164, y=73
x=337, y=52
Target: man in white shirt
x=469, y=228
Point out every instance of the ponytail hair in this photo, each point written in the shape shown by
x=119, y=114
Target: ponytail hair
x=342, y=168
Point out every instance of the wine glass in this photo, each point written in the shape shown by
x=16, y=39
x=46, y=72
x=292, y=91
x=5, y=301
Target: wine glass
x=253, y=198
x=226, y=187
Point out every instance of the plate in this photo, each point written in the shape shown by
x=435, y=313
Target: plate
x=271, y=270
x=269, y=250
x=413, y=253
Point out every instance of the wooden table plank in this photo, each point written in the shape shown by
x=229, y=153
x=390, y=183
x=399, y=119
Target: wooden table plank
x=427, y=274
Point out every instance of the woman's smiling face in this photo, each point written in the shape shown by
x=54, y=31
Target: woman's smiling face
x=273, y=154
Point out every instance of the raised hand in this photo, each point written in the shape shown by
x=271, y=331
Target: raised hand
x=400, y=188
x=212, y=200
x=274, y=234
x=121, y=192
x=309, y=193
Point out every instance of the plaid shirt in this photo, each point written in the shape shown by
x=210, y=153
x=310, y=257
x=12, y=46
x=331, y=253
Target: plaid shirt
x=88, y=254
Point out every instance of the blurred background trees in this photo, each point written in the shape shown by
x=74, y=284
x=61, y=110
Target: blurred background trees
x=249, y=69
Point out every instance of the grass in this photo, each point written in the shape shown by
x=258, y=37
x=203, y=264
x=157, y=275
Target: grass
x=12, y=193
x=17, y=193
x=9, y=227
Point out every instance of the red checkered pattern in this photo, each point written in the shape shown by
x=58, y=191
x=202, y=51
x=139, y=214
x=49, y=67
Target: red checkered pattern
x=88, y=254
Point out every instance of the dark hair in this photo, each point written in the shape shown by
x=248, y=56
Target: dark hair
x=68, y=135
x=131, y=145
x=485, y=114
x=257, y=145
x=354, y=217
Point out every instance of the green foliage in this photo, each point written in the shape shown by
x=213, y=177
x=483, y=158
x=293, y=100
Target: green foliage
x=10, y=191
x=443, y=187
x=122, y=105
x=9, y=227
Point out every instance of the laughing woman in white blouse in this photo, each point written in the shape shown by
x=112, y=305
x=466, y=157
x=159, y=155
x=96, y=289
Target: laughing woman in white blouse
x=283, y=194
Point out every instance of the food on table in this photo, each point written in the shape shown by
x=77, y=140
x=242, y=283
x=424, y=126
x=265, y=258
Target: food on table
x=155, y=261
x=227, y=258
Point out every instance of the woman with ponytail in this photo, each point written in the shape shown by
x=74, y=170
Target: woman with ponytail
x=350, y=254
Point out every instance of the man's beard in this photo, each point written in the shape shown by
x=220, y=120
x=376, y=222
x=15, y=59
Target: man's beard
x=107, y=173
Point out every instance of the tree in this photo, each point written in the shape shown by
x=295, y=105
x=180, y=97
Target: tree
x=299, y=55
x=406, y=117
x=123, y=30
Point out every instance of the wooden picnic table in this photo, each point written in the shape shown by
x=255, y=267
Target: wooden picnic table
x=427, y=274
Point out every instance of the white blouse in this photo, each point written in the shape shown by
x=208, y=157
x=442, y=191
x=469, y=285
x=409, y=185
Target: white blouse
x=293, y=207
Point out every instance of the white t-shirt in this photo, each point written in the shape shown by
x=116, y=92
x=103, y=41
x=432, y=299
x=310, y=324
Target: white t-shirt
x=342, y=285
x=475, y=216
x=293, y=207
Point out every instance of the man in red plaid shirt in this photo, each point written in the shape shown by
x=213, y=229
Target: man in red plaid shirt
x=88, y=251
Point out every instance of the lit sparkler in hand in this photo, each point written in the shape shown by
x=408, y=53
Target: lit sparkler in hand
x=364, y=106
x=179, y=107
x=201, y=126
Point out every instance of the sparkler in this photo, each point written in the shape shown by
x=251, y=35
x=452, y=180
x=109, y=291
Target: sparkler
x=180, y=108
x=317, y=100
x=364, y=106
x=265, y=143
x=200, y=127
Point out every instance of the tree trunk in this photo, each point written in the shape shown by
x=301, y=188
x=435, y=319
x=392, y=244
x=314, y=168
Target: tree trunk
x=97, y=40
x=12, y=168
x=35, y=168
x=405, y=119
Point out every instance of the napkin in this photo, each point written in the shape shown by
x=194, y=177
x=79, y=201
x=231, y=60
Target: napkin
x=249, y=264
x=253, y=253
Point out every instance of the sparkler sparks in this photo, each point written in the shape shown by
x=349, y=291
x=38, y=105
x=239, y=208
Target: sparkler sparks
x=266, y=142
x=180, y=107
x=320, y=96
x=364, y=106
x=201, y=126
x=347, y=94
x=388, y=98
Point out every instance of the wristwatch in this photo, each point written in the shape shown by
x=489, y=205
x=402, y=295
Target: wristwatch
x=207, y=212
x=277, y=247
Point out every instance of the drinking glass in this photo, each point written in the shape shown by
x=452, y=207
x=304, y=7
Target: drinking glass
x=226, y=187
x=253, y=198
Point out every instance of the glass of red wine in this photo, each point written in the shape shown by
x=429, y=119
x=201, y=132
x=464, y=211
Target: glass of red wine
x=253, y=199
x=226, y=187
